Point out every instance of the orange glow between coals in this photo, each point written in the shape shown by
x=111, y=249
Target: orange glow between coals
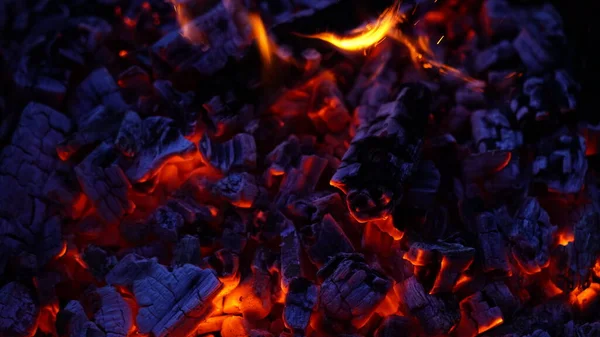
x=564, y=238
x=367, y=36
x=493, y=324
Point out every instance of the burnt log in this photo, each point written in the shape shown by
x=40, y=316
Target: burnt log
x=235, y=154
x=239, y=189
x=477, y=316
x=350, y=292
x=105, y=184
x=383, y=155
x=19, y=310
x=300, y=303
x=189, y=291
x=449, y=259
x=161, y=141
x=98, y=89
x=530, y=237
x=324, y=239
x=493, y=131
x=435, y=315
x=113, y=316
x=560, y=161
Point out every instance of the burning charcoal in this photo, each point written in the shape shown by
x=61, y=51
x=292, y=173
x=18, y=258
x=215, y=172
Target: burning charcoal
x=328, y=111
x=235, y=234
x=105, y=184
x=40, y=82
x=225, y=262
x=570, y=264
x=492, y=249
x=501, y=295
x=98, y=260
x=477, y=316
x=375, y=80
x=560, y=161
x=189, y=291
x=568, y=90
x=98, y=89
x=301, y=181
x=206, y=43
x=500, y=18
x=492, y=131
x=531, y=236
x=284, y=156
x=350, y=292
x=97, y=125
x=235, y=326
x=290, y=257
x=136, y=80
x=497, y=54
x=239, y=189
x=166, y=223
x=187, y=251
x=396, y=326
x=160, y=142
x=128, y=140
x=114, y=315
x=435, y=315
x=191, y=211
x=73, y=320
x=324, y=239
x=470, y=96
x=383, y=155
x=300, y=302
x=532, y=52
x=453, y=259
x=253, y=297
x=226, y=114
x=179, y=105
x=312, y=61
x=237, y=153
x=19, y=311
x=484, y=165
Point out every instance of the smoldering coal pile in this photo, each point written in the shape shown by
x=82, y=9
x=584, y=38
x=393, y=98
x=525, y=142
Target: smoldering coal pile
x=226, y=168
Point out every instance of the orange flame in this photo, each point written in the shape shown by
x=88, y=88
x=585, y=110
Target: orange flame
x=367, y=36
x=262, y=39
x=47, y=318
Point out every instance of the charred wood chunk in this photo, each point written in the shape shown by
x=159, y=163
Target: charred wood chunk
x=170, y=302
x=450, y=259
x=350, y=292
x=42, y=82
x=492, y=247
x=204, y=44
x=166, y=223
x=99, y=124
x=227, y=114
x=494, y=56
x=186, y=251
x=396, y=326
x=19, y=310
x=191, y=211
x=571, y=264
x=237, y=153
x=560, y=161
x=300, y=302
x=287, y=155
x=500, y=18
x=235, y=233
x=477, y=316
x=135, y=79
x=98, y=89
x=383, y=155
x=531, y=236
x=435, y=315
x=502, y=297
x=324, y=239
x=254, y=297
x=30, y=158
x=104, y=183
x=239, y=189
x=533, y=53
x=161, y=141
x=485, y=165
x=290, y=257
x=179, y=104
x=73, y=322
x=129, y=137
x=584, y=330
x=114, y=316
x=301, y=181
x=98, y=261
x=493, y=131
x=226, y=263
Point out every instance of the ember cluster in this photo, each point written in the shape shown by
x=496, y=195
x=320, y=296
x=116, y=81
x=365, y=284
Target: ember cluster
x=218, y=168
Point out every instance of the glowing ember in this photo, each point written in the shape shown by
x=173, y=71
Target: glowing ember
x=367, y=36
x=260, y=33
x=564, y=238
x=493, y=324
